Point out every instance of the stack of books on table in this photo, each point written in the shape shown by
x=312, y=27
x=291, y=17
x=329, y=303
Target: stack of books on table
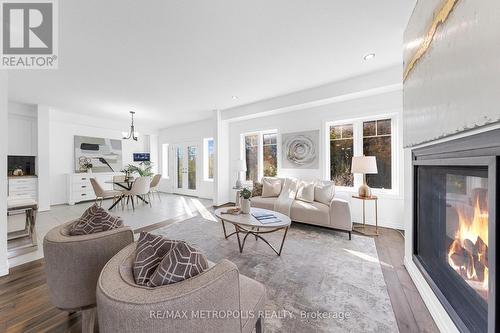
x=265, y=217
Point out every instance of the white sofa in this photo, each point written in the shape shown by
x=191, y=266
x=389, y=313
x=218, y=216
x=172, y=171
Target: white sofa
x=336, y=215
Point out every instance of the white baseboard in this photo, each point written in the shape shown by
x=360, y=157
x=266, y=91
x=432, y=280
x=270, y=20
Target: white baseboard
x=4, y=269
x=438, y=313
x=387, y=224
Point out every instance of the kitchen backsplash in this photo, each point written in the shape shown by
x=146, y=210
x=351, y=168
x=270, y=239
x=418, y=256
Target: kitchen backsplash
x=25, y=163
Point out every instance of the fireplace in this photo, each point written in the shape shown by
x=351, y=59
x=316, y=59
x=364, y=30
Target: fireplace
x=455, y=202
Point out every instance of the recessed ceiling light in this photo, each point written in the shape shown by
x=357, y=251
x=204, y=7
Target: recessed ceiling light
x=234, y=97
x=369, y=56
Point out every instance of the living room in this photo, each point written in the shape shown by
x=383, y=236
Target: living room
x=249, y=167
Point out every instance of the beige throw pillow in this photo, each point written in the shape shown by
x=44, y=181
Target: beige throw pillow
x=324, y=192
x=305, y=192
x=271, y=187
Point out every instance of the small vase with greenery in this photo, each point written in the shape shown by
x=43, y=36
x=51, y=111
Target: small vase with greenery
x=245, y=196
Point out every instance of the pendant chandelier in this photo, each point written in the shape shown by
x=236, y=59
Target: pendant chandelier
x=132, y=134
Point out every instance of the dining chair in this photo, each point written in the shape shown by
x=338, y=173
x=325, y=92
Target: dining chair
x=101, y=194
x=118, y=179
x=140, y=187
x=155, y=186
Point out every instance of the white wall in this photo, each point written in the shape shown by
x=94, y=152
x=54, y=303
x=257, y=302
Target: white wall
x=44, y=165
x=315, y=118
x=22, y=129
x=4, y=126
x=64, y=126
x=190, y=133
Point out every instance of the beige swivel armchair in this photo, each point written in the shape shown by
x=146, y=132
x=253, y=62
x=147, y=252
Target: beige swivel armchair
x=73, y=265
x=125, y=307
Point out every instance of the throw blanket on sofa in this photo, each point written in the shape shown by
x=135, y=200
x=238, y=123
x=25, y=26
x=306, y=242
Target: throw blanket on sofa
x=284, y=202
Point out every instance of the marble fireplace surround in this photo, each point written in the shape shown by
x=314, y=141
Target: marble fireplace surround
x=450, y=92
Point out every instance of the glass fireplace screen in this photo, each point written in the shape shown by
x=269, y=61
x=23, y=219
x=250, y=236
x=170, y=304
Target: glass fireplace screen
x=452, y=237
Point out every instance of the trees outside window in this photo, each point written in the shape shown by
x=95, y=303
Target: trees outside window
x=209, y=159
x=270, y=154
x=341, y=152
x=261, y=155
x=357, y=138
x=377, y=141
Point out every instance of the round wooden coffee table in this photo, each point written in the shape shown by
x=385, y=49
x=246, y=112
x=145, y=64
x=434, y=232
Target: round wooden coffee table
x=247, y=224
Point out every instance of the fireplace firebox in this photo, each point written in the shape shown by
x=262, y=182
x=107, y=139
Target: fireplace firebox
x=455, y=185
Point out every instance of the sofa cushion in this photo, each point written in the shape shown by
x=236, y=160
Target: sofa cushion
x=182, y=262
x=324, y=192
x=265, y=203
x=310, y=212
x=149, y=253
x=257, y=189
x=271, y=187
x=305, y=191
x=95, y=219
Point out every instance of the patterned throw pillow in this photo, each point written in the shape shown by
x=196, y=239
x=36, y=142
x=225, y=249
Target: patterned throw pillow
x=181, y=263
x=149, y=252
x=95, y=219
x=257, y=189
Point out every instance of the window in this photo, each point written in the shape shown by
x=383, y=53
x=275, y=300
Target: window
x=252, y=157
x=260, y=155
x=164, y=160
x=341, y=152
x=270, y=158
x=377, y=142
x=191, y=167
x=361, y=137
x=208, y=157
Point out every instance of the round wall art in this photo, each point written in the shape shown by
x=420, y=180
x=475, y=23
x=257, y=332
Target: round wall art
x=300, y=150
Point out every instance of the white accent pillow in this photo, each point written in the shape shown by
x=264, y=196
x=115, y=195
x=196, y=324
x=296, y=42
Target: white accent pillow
x=271, y=187
x=305, y=192
x=324, y=192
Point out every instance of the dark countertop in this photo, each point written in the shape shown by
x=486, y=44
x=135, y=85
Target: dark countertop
x=27, y=176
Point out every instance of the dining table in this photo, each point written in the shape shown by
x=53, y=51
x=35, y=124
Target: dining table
x=126, y=185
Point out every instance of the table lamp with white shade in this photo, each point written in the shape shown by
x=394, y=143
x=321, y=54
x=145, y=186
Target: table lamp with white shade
x=364, y=165
x=239, y=167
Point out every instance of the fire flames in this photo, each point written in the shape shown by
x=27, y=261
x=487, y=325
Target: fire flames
x=468, y=253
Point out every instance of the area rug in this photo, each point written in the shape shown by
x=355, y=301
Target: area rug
x=321, y=283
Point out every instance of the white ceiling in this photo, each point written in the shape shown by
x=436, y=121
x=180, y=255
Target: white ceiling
x=175, y=61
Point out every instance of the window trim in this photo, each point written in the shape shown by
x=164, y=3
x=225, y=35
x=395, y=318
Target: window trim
x=358, y=151
x=205, y=159
x=260, y=150
x=165, y=154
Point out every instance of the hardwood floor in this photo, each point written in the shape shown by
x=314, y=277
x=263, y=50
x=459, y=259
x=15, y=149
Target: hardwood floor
x=25, y=305
x=411, y=313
